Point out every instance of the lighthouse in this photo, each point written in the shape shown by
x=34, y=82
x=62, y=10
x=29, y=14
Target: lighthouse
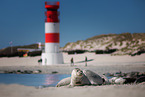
x=52, y=55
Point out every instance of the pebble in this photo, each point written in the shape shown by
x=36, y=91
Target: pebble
x=119, y=80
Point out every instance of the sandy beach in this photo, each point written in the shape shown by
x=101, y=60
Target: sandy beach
x=85, y=91
x=97, y=63
x=93, y=60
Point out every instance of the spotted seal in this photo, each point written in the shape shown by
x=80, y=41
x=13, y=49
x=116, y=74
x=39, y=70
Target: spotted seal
x=79, y=77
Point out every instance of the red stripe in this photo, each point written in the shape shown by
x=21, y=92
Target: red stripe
x=51, y=37
x=51, y=16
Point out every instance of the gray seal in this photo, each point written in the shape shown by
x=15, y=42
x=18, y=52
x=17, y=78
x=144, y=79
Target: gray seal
x=79, y=78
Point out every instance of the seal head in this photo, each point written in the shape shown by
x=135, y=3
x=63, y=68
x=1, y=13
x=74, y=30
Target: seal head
x=76, y=77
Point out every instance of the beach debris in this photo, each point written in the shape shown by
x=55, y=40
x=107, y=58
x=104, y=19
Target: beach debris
x=129, y=80
x=37, y=71
x=133, y=74
x=124, y=78
x=108, y=74
x=118, y=74
x=112, y=80
x=18, y=72
x=54, y=72
x=22, y=72
x=12, y=71
x=28, y=71
x=140, y=80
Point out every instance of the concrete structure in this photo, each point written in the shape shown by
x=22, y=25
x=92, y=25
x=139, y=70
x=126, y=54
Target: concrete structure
x=52, y=55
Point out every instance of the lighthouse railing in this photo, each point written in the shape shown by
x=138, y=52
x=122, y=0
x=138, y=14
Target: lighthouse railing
x=51, y=3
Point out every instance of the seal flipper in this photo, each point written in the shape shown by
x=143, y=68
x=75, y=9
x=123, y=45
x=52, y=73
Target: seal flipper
x=64, y=82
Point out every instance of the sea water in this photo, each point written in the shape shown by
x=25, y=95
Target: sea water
x=32, y=79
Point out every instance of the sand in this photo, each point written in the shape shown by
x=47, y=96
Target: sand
x=94, y=59
x=83, y=91
x=97, y=63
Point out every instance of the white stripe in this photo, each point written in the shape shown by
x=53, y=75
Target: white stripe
x=51, y=47
x=52, y=58
x=51, y=27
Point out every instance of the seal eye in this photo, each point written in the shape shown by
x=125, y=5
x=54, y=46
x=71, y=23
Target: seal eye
x=77, y=69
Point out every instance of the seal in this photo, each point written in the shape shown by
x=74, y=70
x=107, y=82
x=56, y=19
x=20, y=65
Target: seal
x=76, y=77
x=74, y=80
x=64, y=82
x=93, y=78
x=79, y=78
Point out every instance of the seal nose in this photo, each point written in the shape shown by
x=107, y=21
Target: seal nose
x=81, y=72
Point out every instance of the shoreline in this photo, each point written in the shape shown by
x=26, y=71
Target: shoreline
x=97, y=63
x=68, y=69
x=79, y=59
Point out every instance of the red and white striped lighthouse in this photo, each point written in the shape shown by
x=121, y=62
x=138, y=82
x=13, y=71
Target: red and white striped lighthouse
x=52, y=55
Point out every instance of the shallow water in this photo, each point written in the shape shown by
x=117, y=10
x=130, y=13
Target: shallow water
x=32, y=79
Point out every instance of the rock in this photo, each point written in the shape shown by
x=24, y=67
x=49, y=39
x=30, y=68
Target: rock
x=1, y=71
x=13, y=72
x=54, y=72
x=140, y=80
x=105, y=80
x=36, y=72
x=141, y=74
x=118, y=74
x=112, y=80
x=143, y=83
x=129, y=80
x=108, y=74
x=28, y=72
x=119, y=80
x=19, y=72
x=132, y=74
x=6, y=71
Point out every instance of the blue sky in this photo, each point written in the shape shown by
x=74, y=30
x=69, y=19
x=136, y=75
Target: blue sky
x=22, y=21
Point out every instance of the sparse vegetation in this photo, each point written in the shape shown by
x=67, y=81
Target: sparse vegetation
x=6, y=52
x=126, y=43
x=121, y=43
